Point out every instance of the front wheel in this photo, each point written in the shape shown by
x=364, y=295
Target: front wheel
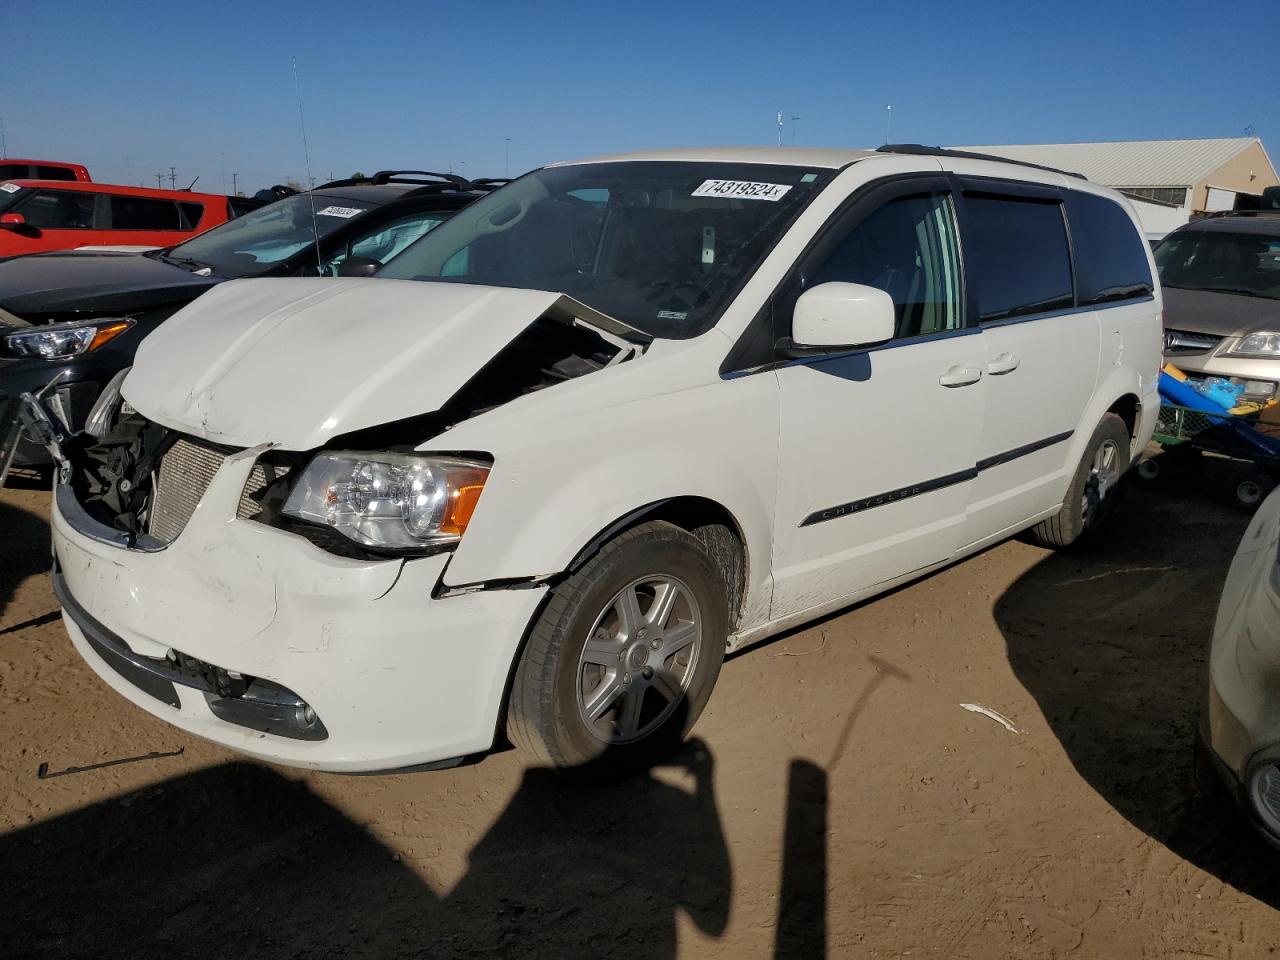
x=623, y=658
x=1095, y=488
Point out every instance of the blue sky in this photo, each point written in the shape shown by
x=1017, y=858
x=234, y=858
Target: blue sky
x=131, y=89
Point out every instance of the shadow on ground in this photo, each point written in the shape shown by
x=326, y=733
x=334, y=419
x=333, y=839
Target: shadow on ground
x=239, y=861
x=25, y=544
x=1113, y=644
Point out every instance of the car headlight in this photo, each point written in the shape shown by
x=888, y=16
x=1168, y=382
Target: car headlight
x=1264, y=343
x=397, y=501
x=57, y=341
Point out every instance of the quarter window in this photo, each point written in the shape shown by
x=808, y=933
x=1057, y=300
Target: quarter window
x=59, y=210
x=1018, y=256
x=1111, y=259
x=141, y=213
x=908, y=249
x=191, y=214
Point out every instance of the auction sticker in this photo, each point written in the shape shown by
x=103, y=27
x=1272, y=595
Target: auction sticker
x=742, y=190
x=346, y=213
x=10, y=187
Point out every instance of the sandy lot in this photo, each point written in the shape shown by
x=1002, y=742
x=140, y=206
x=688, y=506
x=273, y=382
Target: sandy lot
x=837, y=802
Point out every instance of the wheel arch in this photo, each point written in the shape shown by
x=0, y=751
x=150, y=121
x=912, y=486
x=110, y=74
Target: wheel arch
x=710, y=521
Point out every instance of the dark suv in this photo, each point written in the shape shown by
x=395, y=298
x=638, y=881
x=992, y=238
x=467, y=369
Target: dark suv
x=1221, y=279
x=77, y=317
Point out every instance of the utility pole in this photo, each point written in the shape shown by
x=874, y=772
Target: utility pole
x=159, y=181
x=173, y=178
x=779, y=128
x=235, y=188
x=4, y=143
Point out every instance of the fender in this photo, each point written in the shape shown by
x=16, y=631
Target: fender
x=557, y=485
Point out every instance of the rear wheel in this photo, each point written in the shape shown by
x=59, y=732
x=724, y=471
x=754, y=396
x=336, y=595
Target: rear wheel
x=1095, y=488
x=623, y=658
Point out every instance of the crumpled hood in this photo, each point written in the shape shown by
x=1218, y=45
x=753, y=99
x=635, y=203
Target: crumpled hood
x=1223, y=314
x=296, y=361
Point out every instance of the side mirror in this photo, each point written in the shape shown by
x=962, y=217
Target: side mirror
x=12, y=221
x=840, y=316
x=355, y=266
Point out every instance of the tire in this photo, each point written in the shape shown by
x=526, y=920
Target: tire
x=1249, y=488
x=1095, y=489
x=624, y=700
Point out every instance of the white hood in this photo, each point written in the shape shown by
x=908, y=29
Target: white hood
x=294, y=362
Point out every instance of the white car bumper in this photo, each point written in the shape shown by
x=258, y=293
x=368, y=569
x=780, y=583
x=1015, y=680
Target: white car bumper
x=395, y=677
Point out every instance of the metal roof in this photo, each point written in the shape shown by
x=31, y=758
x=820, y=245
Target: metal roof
x=1130, y=163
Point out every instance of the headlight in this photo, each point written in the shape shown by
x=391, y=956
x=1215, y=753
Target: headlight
x=56, y=341
x=395, y=501
x=1262, y=344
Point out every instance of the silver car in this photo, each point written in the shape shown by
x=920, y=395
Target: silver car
x=1241, y=722
x=1221, y=277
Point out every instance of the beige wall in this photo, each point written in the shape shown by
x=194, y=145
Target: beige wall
x=1249, y=171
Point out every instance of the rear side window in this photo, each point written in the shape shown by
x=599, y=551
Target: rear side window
x=191, y=214
x=1018, y=256
x=54, y=173
x=141, y=213
x=1111, y=259
x=58, y=210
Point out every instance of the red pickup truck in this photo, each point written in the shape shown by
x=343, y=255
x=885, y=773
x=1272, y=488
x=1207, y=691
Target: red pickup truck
x=15, y=168
x=40, y=215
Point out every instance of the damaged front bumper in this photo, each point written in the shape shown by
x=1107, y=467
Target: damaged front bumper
x=265, y=641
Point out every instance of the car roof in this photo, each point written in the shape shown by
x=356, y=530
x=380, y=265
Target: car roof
x=384, y=193
x=1266, y=225
x=830, y=158
x=120, y=189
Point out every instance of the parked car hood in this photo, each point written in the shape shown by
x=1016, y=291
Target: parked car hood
x=294, y=362
x=46, y=284
x=1221, y=314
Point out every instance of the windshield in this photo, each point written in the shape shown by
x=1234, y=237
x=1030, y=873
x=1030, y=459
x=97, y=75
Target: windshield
x=10, y=193
x=662, y=246
x=1242, y=263
x=256, y=242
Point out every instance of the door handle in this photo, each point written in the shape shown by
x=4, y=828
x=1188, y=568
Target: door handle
x=1005, y=363
x=959, y=376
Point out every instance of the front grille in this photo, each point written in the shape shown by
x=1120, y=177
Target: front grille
x=186, y=470
x=1184, y=341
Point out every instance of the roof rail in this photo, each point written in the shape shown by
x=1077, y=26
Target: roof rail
x=403, y=176
x=920, y=150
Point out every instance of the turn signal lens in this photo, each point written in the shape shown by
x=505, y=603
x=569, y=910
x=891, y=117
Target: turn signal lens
x=108, y=332
x=462, y=501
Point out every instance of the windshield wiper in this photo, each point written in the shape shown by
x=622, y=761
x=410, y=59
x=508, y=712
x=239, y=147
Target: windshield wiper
x=185, y=262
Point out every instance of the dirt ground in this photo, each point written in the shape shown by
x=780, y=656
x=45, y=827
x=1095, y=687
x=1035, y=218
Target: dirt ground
x=837, y=801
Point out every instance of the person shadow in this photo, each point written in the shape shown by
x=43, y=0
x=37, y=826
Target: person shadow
x=24, y=550
x=1113, y=645
x=238, y=860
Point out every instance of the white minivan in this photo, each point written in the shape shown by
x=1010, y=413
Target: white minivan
x=613, y=420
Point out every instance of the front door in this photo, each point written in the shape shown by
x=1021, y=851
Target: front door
x=877, y=447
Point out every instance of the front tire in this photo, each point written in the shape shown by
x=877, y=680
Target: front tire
x=1095, y=489
x=624, y=655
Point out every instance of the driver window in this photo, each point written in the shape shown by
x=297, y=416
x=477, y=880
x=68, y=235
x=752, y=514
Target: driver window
x=387, y=241
x=908, y=249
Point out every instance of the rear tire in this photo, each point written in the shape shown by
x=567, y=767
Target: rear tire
x=1095, y=490
x=624, y=655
